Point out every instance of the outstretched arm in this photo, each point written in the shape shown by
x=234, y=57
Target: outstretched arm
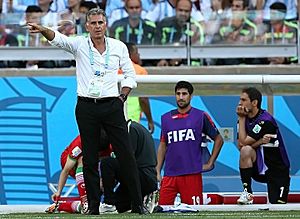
x=46, y=32
x=63, y=178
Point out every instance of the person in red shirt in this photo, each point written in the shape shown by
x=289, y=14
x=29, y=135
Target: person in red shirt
x=71, y=163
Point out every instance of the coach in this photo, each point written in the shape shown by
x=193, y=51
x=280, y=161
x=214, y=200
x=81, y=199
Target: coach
x=98, y=59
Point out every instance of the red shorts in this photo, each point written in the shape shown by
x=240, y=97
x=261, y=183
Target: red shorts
x=189, y=187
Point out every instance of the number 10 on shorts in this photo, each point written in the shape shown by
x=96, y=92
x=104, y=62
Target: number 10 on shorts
x=196, y=200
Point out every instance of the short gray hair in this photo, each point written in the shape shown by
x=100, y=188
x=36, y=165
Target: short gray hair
x=95, y=11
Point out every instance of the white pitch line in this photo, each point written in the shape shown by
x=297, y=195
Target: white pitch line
x=254, y=207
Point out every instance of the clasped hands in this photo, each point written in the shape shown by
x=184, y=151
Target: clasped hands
x=242, y=111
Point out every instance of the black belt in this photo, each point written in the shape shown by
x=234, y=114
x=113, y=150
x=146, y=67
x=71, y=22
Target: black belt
x=95, y=100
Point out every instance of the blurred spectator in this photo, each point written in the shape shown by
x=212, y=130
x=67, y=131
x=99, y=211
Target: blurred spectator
x=112, y=5
x=19, y=6
x=120, y=13
x=133, y=28
x=8, y=40
x=291, y=8
x=100, y=3
x=166, y=8
x=6, y=6
x=256, y=4
x=218, y=16
x=72, y=13
x=176, y=29
x=68, y=29
x=84, y=7
x=280, y=31
x=205, y=6
x=33, y=14
x=239, y=29
x=216, y=19
x=50, y=9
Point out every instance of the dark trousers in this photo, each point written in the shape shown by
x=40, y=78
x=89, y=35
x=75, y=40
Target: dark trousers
x=110, y=173
x=107, y=113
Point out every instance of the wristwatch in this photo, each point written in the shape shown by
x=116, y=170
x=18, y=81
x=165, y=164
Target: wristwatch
x=124, y=97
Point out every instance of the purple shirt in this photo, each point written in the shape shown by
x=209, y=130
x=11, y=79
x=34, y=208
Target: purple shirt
x=256, y=127
x=182, y=134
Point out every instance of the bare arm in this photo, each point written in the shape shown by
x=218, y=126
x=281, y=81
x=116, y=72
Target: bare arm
x=161, y=152
x=264, y=140
x=63, y=177
x=46, y=32
x=244, y=139
x=145, y=106
x=218, y=143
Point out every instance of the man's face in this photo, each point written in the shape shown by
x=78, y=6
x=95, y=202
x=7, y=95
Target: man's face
x=33, y=17
x=237, y=5
x=134, y=9
x=246, y=102
x=96, y=26
x=183, y=98
x=183, y=11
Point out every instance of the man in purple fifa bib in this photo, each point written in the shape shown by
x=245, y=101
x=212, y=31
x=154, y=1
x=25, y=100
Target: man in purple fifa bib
x=182, y=132
x=262, y=151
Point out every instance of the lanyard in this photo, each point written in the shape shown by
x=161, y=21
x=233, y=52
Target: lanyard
x=172, y=35
x=92, y=60
x=139, y=35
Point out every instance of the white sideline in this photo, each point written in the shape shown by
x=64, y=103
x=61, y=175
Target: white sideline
x=7, y=209
x=254, y=207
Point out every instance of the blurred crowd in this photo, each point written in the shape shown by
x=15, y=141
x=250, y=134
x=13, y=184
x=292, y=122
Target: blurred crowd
x=157, y=22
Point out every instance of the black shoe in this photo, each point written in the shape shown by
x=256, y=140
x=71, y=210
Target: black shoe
x=92, y=212
x=158, y=209
x=93, y=208
x=140, y=209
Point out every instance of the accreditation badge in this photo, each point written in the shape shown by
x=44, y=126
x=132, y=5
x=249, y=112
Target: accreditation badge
x=95, y=87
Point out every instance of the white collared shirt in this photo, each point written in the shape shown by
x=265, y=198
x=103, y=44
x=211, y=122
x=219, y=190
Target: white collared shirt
x=118, y=58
